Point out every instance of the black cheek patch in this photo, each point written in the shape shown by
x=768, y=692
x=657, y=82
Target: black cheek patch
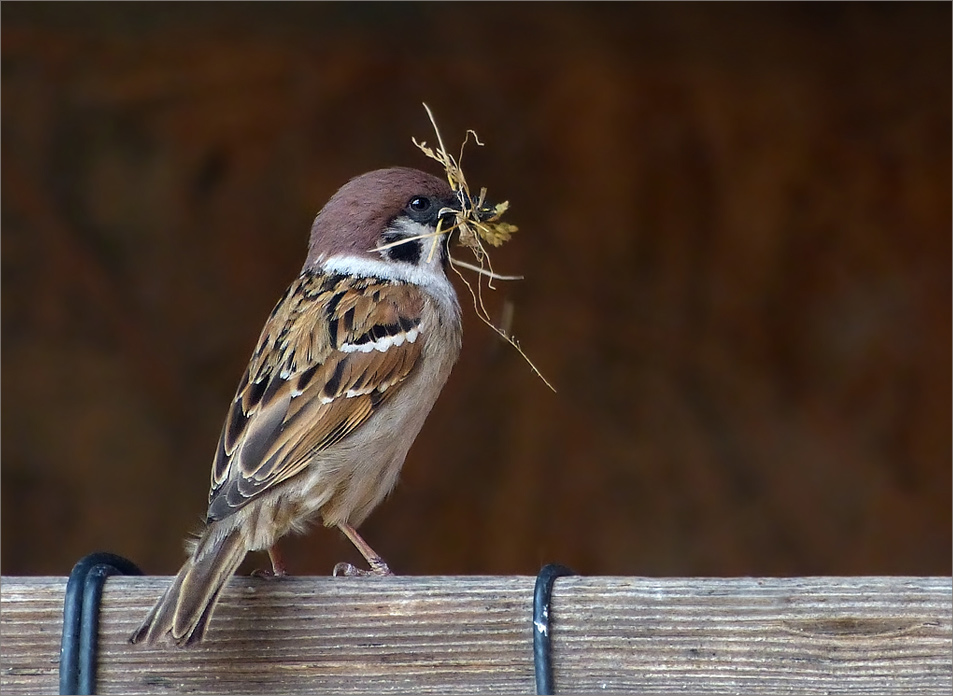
x=407, y=252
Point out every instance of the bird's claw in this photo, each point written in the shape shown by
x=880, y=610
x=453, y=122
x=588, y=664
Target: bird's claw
x=266, y=574
x=269, y=574
x=378, y=568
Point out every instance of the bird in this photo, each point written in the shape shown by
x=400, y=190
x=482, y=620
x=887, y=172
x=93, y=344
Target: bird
x=344, y=374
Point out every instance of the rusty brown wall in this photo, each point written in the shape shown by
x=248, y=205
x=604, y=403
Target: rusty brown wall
x=735, y=231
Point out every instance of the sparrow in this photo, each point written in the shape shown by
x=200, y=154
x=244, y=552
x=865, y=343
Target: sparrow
x=346, y=370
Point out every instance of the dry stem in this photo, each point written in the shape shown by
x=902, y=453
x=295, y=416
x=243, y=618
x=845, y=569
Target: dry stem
x=476, y=222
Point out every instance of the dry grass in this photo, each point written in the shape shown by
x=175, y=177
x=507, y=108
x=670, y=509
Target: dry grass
x=478, y=223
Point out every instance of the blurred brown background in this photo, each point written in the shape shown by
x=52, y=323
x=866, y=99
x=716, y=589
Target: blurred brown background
x=735, y=227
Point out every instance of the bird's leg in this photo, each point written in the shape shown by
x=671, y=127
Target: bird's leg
x=377, y=564
x=277, y=565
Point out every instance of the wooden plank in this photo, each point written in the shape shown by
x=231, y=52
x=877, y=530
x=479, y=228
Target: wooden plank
x=473, y=634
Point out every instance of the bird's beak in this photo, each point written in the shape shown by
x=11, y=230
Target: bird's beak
x=454, y=206
x=449, y=212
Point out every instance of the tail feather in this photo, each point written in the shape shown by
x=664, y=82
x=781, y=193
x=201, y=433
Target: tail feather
x=184, y=610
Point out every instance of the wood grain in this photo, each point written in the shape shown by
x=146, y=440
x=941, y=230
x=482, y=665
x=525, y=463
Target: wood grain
x=473, y=635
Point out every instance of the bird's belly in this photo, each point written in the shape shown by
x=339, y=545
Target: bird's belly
x=347, y=481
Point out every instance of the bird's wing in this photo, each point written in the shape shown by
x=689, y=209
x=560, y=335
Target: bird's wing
x=333, y=350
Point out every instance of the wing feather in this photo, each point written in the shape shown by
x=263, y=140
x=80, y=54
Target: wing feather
x=333, y=350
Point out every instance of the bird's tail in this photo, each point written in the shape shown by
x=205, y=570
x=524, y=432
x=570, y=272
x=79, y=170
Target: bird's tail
x=184, y=610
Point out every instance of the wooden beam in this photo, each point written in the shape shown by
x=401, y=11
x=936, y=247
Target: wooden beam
x=473, y=634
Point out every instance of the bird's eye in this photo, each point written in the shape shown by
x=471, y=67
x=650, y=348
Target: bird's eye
x=420, y=204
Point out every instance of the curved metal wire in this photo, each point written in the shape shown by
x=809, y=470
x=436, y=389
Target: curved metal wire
x=542, y=641
x=80, y=642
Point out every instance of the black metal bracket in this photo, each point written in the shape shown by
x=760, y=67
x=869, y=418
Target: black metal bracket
x=84, y=592
x=542, y=641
